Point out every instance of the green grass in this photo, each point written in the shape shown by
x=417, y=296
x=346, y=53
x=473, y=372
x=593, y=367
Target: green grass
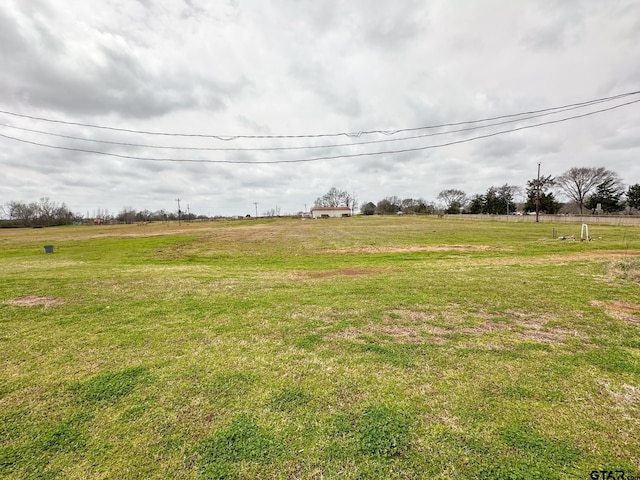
x=368, y=347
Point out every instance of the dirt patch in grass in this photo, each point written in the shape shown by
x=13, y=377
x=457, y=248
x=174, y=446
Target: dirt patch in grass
x=625, y=311
x=418, y=248
x=342, y=271
x=591, y=254
x=622, y=253
x=624, y=306
x=34, y=301
x=616, y=256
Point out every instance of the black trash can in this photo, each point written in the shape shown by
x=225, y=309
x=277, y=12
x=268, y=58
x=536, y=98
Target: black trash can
x=48, y=249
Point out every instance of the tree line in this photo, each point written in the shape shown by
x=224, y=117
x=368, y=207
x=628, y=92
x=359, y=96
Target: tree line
x=48, y=213
x=593, y=189
x=43, y=213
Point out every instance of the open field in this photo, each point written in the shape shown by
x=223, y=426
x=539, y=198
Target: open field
x=367, y=347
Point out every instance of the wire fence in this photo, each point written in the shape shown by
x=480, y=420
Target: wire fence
x=588, y=219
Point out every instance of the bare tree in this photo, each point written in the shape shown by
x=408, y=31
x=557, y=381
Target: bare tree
x=126, y=215
x=578, y=182
x=389, y=205
x=46, y=210
x=454, y=200
x=25, y=212
x=11, y=208
x=336, y=198
x=351, y=201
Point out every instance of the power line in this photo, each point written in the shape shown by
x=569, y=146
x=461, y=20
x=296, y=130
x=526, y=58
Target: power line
x=332, y=157
x=348, y=134
x=310, y=147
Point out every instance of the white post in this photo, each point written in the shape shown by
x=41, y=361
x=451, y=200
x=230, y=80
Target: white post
x=584, y=232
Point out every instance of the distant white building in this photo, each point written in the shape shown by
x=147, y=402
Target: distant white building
x=330, y=212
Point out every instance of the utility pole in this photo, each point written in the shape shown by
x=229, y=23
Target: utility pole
x=188, y=212
x=179, y=212
x=256, y=204
x=538, y=196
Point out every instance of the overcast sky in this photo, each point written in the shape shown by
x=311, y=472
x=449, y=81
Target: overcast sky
x=297, y=68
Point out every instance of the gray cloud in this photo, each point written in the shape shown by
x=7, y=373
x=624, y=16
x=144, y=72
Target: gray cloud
x=94, y=71
x=500, y=148
x=303, y=67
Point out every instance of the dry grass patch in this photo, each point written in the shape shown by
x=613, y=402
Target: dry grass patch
x=626, y=268
x=628, y=312
x=615, y=253
x=405, y=326
x=403, y=333
x=541, y=336
x=443, y=418
x=412, y=317
x=326, y=315
x=527, y=327
x=341, y=271
x=619, y=258
x=398, y=333
x=409, y=325
x=625, y=396
x=49, y=262
x=34, y=301
x=625, y=306
x=418, y=248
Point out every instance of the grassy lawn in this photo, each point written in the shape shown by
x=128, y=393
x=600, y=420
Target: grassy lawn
x=369, y=347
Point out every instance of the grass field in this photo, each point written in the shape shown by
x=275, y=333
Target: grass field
x=369, y=347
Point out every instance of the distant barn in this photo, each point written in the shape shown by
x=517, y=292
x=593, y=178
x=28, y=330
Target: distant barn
x=330, y=212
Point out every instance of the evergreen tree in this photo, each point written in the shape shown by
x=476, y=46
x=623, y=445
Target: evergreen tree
x=607, y=195
x=368, y=208
x=548, y=203
x=476, y=205
x=633, y=196
x=498, y=200
x=505, y=199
